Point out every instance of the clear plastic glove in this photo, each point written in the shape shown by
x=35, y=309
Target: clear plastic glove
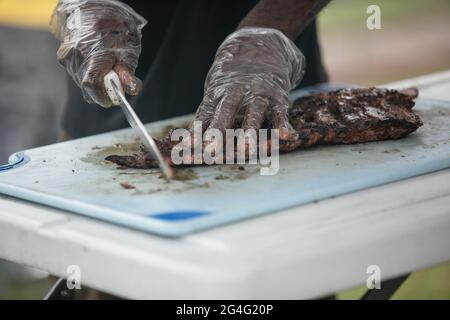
x=254, y=68
x=96, y=37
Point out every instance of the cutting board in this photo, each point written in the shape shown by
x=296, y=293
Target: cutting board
x=73, y=176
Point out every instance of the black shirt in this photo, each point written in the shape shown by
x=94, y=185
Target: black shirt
x=178, y=47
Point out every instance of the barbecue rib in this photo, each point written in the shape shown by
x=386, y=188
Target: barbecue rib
x=339, y=117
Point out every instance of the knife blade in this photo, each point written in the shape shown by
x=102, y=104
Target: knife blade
x=115, y=93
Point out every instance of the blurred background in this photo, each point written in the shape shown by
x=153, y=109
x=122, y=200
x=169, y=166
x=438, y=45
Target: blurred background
x=414, y=41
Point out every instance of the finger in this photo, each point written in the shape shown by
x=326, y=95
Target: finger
x=253, y=119
x=225, y=112
x=130, y=82
x=205, y=112
x=280, y=118
x=92, y=82
x=227, y=109
x=255, y=111
x=200, y=123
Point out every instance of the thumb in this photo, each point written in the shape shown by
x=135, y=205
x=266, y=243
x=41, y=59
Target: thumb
x=131, y=83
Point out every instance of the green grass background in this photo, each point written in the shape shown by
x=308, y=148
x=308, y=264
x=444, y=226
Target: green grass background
x=342, y=15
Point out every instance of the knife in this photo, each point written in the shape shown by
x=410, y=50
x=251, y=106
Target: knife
x=117, y=96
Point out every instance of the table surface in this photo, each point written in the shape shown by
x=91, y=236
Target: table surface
x=304, y=252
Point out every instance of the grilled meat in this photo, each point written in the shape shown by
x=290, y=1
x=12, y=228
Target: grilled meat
x=353, y=116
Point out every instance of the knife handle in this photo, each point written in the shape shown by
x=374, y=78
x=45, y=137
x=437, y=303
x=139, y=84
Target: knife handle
x=112, y=76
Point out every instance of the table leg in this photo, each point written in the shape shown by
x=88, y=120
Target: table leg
x=59, y=291
x=388, y=288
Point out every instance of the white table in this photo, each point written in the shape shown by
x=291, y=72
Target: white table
x=304, y=252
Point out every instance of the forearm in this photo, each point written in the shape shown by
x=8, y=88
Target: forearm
x=289, y=16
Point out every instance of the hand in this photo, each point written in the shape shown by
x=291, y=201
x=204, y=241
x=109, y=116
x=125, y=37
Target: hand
x=254, y=68
x=97, y=36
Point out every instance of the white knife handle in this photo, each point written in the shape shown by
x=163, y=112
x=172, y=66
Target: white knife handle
x=112, y=76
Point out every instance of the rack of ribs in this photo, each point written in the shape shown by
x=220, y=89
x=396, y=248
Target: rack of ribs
x=345, y=116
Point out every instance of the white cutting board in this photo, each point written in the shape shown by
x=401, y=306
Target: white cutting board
x=73, y=177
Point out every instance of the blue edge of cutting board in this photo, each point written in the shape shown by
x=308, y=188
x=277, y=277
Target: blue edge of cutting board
x=178, y=222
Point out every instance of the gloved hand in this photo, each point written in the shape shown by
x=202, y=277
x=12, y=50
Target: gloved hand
x=254, y=68
x=97, y=36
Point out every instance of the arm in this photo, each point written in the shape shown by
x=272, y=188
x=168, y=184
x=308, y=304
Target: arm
x=257, y=66
x=289, y=16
